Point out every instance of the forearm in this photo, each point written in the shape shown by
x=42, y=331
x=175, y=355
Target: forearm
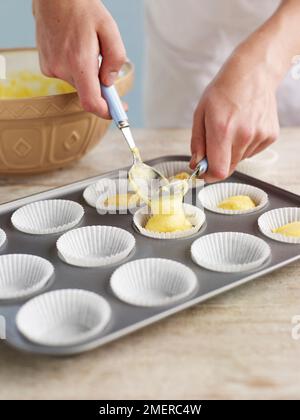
x=272, y=46
x=237, y=115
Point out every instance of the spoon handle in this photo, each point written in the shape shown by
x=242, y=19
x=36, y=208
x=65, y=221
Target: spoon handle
x=119, y=116
x=115, y=106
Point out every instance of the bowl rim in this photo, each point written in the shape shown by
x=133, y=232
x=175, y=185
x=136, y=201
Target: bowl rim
x=8, y=101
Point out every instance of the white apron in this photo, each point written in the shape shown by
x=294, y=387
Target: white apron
x=187, y=41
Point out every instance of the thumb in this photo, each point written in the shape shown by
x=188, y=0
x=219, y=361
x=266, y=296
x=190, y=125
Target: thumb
x=198, y=142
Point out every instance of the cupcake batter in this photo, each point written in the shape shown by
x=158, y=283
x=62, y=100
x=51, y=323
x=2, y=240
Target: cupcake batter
x=166, y=204
x=26, y=84
x=168, y=215
x=181, y=176
x=237, y=202
x=290, y=229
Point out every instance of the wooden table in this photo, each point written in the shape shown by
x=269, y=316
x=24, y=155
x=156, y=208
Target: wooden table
x=237, y=345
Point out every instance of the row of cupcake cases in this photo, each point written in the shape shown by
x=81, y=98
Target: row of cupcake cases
x=209, y=197
x=54, y=216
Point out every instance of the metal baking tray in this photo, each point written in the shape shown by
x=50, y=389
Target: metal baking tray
x=125, y=318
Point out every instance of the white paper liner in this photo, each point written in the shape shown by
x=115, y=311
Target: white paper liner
x=63, y=317
x=276, y=218
x=22, y=275
x=172, y=168
x=153, y=282
x=47, y=217
x=259, y=164
x=230, y=252
x=195, y=215
x=92, y=193
x=212, y=195
x=120, y=186
x=3, y=237
x=95, y=246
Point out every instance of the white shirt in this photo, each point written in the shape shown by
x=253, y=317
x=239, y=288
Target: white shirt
x=187, y=43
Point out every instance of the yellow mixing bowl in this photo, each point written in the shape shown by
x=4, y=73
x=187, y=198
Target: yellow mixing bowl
x=43, y=133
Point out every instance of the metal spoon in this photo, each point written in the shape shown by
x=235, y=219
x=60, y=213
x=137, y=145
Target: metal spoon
x=182, y=186
x=200, y=169
x=142, y=176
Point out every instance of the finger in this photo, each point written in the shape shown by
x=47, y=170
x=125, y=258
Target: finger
x=264, y=141
x=253, y=146
x=262, y=146
x=243, y=139
x=112, y=51
x=87, y=83
x=218, y=147
x=198, y=147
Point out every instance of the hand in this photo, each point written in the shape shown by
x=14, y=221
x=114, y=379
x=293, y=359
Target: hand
x=70, y=38
x=236, y=117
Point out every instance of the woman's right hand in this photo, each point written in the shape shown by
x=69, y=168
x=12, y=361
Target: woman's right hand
x=70, y=38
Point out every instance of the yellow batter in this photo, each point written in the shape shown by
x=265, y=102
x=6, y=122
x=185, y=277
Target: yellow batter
x=27, y=84
x=168, y=215
x=237, y=202
x=122, y=200
x=181, y=176
x=166, y=208
x=290, y=229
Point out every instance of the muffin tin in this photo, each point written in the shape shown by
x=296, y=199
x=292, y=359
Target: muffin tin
x=126, y=317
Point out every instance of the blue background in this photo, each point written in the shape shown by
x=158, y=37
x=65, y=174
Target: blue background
x=17, y=29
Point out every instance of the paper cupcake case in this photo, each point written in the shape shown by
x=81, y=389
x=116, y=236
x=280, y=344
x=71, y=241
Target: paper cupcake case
x=276, y=218
x=120, y=186
x=63, y=317
x=95, y=246
x=195, y=215
x=3, y=238
x=172, y=168
x=211, y=196
x=92, y=193
x=23, y=275
x=47, y=217
x=230, y=252
x=153, y=282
